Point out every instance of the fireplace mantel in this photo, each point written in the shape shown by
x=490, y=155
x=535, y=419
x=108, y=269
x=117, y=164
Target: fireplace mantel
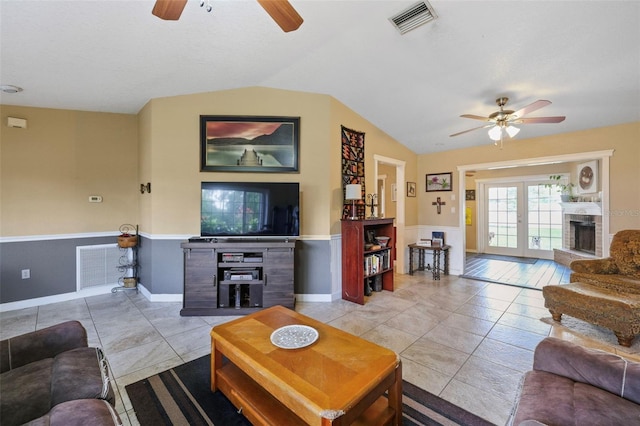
x=583, y=208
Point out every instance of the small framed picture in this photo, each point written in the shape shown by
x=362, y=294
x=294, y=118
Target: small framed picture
x=411, y=189
x=588, y=177
x=470, y=194
x=439, y=182
x=437, y=235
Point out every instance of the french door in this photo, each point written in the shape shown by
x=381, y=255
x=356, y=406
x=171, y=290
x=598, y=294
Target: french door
x=521, y=219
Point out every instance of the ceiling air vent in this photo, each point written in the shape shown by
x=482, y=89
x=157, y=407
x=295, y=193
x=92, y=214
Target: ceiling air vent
x=413, y=17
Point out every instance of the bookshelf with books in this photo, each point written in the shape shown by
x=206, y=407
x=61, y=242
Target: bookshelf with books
x=368, y=248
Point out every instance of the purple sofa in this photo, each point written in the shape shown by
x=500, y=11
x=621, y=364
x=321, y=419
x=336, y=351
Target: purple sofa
x=574, y=385
x=51, y=377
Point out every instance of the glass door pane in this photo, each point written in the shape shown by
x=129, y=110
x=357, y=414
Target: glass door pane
x=503, y=219
x=544, y=221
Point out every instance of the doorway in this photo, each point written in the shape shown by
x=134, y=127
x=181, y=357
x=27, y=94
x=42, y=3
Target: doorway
x=379, y=163
x=458, y=256
x=522, y=219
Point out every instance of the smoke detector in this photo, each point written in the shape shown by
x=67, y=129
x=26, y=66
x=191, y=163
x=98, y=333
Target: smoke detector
x=411, y=18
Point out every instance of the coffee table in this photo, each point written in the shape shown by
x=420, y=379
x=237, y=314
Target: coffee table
x=340, y=379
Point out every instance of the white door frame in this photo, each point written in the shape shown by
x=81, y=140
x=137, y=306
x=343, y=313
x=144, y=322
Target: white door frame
x=400, y=207
x=603, y=156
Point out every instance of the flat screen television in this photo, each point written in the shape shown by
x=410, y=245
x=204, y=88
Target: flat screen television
x=250, y=209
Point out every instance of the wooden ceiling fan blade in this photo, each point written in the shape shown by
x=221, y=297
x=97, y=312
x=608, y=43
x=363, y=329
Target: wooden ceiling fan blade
x=283, y=13
x=475, y=117
x=534, y=120
x=530, y=108
x=471, y=130
x=169, y=10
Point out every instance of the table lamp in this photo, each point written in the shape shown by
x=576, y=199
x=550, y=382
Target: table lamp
x=353, y=192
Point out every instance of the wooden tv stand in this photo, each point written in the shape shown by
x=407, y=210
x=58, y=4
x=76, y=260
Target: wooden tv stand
x=237, y=276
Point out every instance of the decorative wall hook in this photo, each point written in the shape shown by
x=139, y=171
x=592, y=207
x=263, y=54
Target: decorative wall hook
x=145, y=188
x=371, y=202
x=438, y=203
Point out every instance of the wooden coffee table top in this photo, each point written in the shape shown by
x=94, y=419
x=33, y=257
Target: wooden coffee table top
x=325, y=377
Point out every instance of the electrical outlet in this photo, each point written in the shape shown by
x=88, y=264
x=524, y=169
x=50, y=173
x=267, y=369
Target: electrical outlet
x=453, y=210
x=26, y=274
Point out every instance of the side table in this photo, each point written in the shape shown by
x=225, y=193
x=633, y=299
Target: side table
x=421, y=250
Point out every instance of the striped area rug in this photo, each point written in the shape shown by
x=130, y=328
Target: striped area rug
x=181, y=396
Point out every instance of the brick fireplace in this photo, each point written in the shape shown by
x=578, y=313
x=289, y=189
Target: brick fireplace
x=581, y=232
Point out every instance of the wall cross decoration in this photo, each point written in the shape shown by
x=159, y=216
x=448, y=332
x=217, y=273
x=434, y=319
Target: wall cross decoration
x=439, y=203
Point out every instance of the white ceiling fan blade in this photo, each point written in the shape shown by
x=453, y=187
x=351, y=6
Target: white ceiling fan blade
x=534, y=120
x=530, y=108
x=471, y=130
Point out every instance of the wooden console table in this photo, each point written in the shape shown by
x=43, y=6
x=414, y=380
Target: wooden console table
x=422, y=265
x=340, y=379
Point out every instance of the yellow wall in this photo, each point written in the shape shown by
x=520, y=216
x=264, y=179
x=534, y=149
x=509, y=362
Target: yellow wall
x=170, y=136
x=376, y=142
x=624, y=169
x=49, y=170
x=173, y=142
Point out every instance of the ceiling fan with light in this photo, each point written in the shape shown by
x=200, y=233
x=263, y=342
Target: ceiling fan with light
x=280, y=11
x=501, y=122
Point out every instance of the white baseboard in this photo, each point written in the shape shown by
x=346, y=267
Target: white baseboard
x=38, y=301
x=96, y=291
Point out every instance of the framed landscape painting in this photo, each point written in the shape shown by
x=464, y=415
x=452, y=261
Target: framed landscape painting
x=249, y=144
x=439, y=182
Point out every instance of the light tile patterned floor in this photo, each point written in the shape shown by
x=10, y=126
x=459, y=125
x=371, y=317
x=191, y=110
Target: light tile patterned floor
x=467, y=341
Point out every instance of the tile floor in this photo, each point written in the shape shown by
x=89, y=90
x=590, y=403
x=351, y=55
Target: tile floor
x=467, y=341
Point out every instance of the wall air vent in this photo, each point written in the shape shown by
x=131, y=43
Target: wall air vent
x=413, y=17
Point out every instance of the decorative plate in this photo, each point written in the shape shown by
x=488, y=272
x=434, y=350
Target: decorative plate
x=294, y=336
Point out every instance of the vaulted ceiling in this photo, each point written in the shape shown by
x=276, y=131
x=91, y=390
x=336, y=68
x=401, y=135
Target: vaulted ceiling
x=114, y=56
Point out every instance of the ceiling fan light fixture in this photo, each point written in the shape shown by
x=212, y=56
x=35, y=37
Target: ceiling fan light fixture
x=495, y=133
x=512, y=130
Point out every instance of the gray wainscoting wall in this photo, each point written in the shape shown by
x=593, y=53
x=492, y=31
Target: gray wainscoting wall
x=52, y=264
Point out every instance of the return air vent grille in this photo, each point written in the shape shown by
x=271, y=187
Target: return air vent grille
x=97, y=265
x=413, y=17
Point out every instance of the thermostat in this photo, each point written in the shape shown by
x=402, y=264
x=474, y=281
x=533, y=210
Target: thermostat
x=19, y=123
x=95, y=199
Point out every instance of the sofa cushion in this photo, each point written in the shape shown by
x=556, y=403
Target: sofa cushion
x=535, y=401
x=44, y=343
x=614, y=282
x=32, y=390
x=556, y=400
x=80, y=373
x=80, y=412
x=594, y=406
x=590, y=366
x=25, y=392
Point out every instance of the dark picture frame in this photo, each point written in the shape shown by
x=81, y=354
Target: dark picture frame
x=248, y=144
x=470, y=194
x=411, y=189
x=437, y=182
